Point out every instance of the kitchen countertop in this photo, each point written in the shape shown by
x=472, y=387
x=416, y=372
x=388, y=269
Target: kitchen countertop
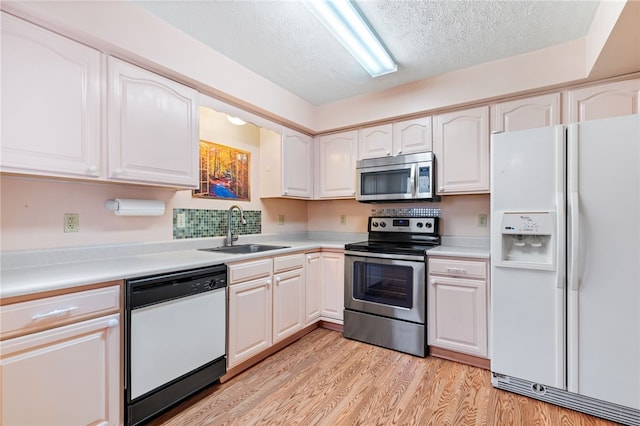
x=46, y=271
x=31, y=272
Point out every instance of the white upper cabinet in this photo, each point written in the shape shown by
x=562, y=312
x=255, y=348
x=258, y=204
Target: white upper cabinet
x=603, y=101
x=403, y=137
x=336, y=165
x=286, y=164
x=529, y=113
x=50, y=103
x=153, y=128
x=375, y=142
x=52, y=112
x=461, y=148
x=412, y=136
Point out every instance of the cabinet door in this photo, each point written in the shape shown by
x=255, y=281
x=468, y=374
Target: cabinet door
x=461, y=147
x=50, y=102
x=63, y=376
x=539, y=111
x=249, y=319
x=458, y=314
x=337, y=155
x=412, y=136
x=375, y=142
x=603, y=101
x=288, y=303
x=333, y=285
x=297, y=164
x=153, y=128
x=313, y=287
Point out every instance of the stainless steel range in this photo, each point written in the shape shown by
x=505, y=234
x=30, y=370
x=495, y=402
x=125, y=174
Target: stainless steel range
x=385, y=292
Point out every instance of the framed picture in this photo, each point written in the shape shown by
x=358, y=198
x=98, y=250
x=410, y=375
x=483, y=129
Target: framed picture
x=224, y=172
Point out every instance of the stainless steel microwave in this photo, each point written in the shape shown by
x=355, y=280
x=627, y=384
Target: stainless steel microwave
x=396, y=179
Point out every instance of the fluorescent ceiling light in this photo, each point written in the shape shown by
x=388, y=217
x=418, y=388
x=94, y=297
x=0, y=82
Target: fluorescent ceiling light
x=343, y=20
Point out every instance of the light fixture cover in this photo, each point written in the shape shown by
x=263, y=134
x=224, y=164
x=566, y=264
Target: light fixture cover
x=235, y=120
x=345, y=23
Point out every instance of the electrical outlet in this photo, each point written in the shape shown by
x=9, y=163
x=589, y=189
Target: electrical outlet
x=181, y=220
x=71, y=222
x=280, y=219
x=482, y=220
x=343, y=219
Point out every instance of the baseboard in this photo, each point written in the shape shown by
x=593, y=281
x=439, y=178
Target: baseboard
x=331, y=326
x=476, y=361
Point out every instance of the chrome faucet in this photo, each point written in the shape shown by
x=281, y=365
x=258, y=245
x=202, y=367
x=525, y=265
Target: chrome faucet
x=230, y=237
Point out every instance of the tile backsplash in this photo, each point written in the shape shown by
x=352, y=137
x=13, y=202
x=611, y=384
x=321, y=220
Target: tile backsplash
x=201, y=223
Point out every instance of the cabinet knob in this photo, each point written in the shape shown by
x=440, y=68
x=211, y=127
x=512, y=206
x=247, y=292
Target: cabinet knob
x=93, y=170
x=434, y=282
x=117, y=172
x=113, y=323
x=399, y=151
x=284, y=192
x=268, y=283
x=278, y=280
x=442, y=189
x=388, y=152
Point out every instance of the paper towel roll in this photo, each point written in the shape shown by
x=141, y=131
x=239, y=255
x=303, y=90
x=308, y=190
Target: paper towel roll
x=132, y=207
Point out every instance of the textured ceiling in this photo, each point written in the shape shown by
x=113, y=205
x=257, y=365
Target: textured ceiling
x=283, y=42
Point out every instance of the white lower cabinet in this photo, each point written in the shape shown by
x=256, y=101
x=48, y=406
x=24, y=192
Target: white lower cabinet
x=266, y=304
x=249, y=319
x=288, y=298
x=457, y=305
x=62, y=375
x=313, y=287
x=332, y=286
x=325, y=287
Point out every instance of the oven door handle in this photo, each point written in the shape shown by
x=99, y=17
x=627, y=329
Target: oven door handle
x=370, y=255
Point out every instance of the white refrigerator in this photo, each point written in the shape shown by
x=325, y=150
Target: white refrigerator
x=565, y=265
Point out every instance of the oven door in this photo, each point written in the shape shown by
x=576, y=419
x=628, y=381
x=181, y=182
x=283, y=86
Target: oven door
x=388, y=285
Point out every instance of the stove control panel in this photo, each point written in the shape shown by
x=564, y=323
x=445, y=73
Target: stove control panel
x=422, y=225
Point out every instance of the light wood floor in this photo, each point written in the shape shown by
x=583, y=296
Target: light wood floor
x=325, y=379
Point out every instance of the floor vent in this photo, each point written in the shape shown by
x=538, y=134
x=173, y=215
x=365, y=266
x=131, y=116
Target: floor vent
x=594, y=407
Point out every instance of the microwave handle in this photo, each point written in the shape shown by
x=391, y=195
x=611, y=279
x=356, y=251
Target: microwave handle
x=413, y=182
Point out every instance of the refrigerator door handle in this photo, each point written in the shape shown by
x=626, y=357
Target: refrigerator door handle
x=574, y=210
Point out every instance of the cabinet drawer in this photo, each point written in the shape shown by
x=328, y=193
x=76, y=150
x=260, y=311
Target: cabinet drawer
x=458, y=268
x=35, y=315
x=249, y=270
x=286, y=263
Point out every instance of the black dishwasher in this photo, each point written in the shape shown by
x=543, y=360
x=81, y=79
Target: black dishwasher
x=175, y=338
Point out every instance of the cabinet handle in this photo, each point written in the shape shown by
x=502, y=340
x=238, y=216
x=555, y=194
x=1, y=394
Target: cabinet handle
x=457, y=270
x=54, y=313
x=113, y=323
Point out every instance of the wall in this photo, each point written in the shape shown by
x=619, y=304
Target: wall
x=32, y=209
x=459, y=214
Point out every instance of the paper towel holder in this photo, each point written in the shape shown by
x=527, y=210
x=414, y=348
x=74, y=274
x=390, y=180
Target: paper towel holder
x=135, y=207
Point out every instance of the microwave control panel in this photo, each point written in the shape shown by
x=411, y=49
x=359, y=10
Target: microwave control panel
x=414, y=225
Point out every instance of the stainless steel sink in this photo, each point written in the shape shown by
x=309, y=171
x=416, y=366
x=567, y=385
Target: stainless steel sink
x=245, y=248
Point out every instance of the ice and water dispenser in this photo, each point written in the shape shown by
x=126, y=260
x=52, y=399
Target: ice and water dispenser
x=527, y=240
